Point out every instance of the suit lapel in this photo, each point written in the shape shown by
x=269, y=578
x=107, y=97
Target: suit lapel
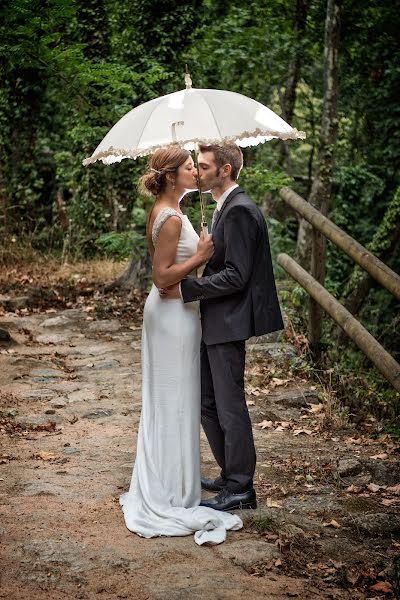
x=233, y=193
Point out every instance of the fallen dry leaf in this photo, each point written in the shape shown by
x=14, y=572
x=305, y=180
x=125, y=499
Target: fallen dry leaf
x=373, y=487
x=352, y=489
x=351, y=440
x=50, y=426
x=273, y=503
x=394, y=489
x=278, y=562
x=352, y=576
x=315, y=408
x=277, y=382
x=46, y=455
x=381, y=456
x=265, y=424
x=382, y=586
x=300, y=431
x=332, y=523
x=390, y=501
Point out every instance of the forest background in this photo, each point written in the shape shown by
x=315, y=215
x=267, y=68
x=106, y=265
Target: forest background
x=71, y=68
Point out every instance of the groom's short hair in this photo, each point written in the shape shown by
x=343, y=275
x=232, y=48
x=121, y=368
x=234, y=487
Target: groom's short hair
x=224, y=154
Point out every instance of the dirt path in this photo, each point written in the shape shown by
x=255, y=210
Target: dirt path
x=70, y=406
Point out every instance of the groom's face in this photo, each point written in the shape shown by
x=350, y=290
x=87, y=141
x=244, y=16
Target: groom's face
x=210, y=176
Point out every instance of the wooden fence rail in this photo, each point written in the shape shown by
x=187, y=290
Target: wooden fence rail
x=364, y=340
x=370, y=263
x=386, y=364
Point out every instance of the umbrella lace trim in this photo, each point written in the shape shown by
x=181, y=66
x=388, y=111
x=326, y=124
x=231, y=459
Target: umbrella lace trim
x=247, y=138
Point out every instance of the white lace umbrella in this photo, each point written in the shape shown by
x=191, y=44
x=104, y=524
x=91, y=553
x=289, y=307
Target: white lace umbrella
x=188, y=117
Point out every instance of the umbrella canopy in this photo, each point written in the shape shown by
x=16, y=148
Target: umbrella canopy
x=190, y=116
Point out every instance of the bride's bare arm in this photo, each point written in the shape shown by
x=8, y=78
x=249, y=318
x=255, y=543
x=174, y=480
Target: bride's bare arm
x=166, y=271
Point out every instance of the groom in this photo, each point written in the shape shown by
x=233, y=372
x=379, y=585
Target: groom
x=237, y=300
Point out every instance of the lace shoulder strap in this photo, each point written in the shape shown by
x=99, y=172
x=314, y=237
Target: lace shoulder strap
x=160, y=219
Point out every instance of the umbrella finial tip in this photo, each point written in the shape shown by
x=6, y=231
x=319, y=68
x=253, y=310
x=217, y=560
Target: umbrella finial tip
x=188, y=79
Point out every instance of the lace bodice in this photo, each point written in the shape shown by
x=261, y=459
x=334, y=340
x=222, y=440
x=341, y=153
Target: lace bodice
x=188, y=239
x=160, y=219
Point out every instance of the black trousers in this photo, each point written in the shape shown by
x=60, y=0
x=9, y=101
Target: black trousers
x=224, y=414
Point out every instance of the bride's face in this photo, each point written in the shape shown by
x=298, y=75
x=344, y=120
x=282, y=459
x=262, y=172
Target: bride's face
x=186, y=176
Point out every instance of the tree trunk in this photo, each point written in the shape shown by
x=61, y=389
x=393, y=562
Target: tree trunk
x=322, y=183
x=288, y=100
x=136, y=275
x=312, y=242
x=300, y=23
x=62, y=213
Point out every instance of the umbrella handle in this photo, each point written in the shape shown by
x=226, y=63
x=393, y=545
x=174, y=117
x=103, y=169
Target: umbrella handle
x=204, y=227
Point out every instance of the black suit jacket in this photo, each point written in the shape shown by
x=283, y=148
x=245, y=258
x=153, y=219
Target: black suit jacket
x=237, y=290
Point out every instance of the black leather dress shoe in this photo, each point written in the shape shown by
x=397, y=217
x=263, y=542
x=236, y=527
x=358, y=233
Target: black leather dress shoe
x=213, y=485
x=226, y=500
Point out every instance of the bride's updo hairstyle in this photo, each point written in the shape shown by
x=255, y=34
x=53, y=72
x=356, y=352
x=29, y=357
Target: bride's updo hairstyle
x=163, y=161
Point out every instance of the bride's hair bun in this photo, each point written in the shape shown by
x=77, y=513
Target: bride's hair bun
x=152, y=183
x=163, y=161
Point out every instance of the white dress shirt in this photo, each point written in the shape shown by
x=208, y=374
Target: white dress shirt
x=224, y=196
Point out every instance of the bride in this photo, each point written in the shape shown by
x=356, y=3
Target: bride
x=165, y=490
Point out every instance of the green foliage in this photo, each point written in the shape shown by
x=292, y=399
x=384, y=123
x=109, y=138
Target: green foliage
x=356, y=209
x=71, y=68
x=258, y=181
x=122, y=245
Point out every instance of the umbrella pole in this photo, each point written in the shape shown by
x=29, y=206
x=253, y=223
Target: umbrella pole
x=204, y=224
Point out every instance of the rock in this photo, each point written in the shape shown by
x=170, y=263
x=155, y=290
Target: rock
x=47, y=373
x=99, y=413
x=58, y=322
x=4, y=336
x=349, y=466
x=360, y=480
x=40, y=420
x=16, y=322
x=66, y=387
x=98, y=366
x=13, y=304
x=275, y=350
x=104, y=326
x=298, y=400
x=71, y=451
x=58, y=403
x=245, y=553
x=82, y=396
x=38, y=394
x=74, y=314
x=111, y=364
x=268, y=338
x=53, y=338
x=43, y=489
x=383, y=472
x=377, y=523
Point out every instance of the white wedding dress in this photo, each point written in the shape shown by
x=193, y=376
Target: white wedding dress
x=165, y=490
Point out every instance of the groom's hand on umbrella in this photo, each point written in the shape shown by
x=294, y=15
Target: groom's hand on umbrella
x=170, y=293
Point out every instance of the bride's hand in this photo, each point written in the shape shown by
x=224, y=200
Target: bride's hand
x=205, y=247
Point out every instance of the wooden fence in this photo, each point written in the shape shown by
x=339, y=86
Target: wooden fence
x=312, y=283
